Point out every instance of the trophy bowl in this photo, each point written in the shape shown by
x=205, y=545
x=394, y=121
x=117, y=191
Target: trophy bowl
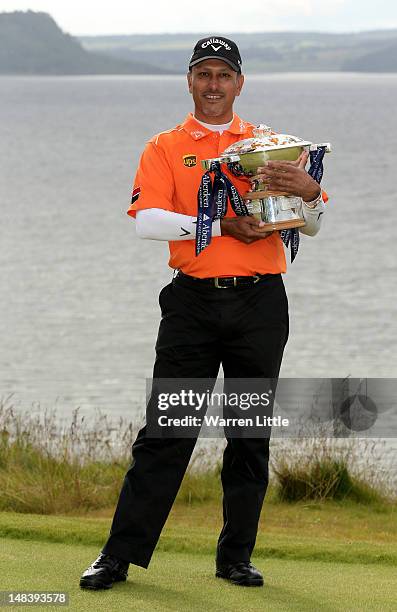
x=278, y=210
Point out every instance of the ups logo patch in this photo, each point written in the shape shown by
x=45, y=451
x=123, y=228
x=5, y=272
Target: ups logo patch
x=189, y=160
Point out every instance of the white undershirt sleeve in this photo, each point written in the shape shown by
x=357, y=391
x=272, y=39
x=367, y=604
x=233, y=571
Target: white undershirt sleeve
x=313, y=217
x=160, y=224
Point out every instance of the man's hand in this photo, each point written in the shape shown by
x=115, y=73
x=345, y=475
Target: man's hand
x=246, y=229
x=290, y=177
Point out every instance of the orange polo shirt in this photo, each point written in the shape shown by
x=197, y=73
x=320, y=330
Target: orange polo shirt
x=169, y=176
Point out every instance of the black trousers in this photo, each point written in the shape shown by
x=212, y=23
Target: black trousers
x=245, y=329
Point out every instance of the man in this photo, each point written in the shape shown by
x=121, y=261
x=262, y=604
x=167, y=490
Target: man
x=225, y=306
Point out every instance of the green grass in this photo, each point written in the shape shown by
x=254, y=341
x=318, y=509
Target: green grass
x=315, y=556
x=181, y=581
x=316, y=532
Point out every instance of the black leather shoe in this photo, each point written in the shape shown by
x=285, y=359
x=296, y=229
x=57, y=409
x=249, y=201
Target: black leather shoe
x=105, y=570
x=244, y=574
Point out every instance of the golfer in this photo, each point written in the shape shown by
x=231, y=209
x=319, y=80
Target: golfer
x=226, y=306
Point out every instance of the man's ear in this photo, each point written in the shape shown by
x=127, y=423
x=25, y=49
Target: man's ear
x=240, y=83
x=189, y=80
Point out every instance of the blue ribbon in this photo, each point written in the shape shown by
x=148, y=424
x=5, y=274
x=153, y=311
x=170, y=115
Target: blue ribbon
x=316, y=171
x=212, y=204
x=212, y=201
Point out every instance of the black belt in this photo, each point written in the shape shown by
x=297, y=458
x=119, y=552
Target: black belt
x=222, y=282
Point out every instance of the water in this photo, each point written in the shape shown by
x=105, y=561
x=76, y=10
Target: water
x=79, y=311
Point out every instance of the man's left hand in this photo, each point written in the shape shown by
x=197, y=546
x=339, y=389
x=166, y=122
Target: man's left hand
x=289, y=177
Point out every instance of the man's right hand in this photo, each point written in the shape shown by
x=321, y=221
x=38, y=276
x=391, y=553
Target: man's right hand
x=246, y=229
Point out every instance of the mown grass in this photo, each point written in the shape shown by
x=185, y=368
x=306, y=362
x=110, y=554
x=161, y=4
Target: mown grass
x=50, y=468
x=182, y=581
x=332, y=531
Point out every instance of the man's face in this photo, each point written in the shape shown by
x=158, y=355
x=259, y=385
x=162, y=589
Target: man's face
x=214, y=86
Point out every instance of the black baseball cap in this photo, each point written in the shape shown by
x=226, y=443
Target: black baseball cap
x=216, y=47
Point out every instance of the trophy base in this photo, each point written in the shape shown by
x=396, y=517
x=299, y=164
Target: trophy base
x=275, y=226
x=264, y=193
x=276, y=209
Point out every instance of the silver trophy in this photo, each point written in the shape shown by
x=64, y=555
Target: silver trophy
x=279, y=210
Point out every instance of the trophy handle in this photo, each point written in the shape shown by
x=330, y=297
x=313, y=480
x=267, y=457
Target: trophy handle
x=224, y=159
x=314, y=147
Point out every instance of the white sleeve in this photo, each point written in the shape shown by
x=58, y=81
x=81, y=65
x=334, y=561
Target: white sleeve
x=160, y=224
x=312, y=216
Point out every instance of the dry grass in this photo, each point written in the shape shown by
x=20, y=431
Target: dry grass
x=322, y=467
x=50, y=468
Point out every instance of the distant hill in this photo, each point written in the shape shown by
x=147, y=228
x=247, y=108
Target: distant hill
x=373, y=51
x=381, y=60
x=32, y=43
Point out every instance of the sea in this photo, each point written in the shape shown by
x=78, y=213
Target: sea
x=79, y=312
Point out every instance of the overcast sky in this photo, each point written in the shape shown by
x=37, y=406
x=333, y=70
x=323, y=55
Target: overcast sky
x=80, y=17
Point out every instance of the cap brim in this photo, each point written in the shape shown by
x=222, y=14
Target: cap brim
x=222, y=59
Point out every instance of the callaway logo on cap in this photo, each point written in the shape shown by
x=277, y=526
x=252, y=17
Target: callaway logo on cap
x=217, y=47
